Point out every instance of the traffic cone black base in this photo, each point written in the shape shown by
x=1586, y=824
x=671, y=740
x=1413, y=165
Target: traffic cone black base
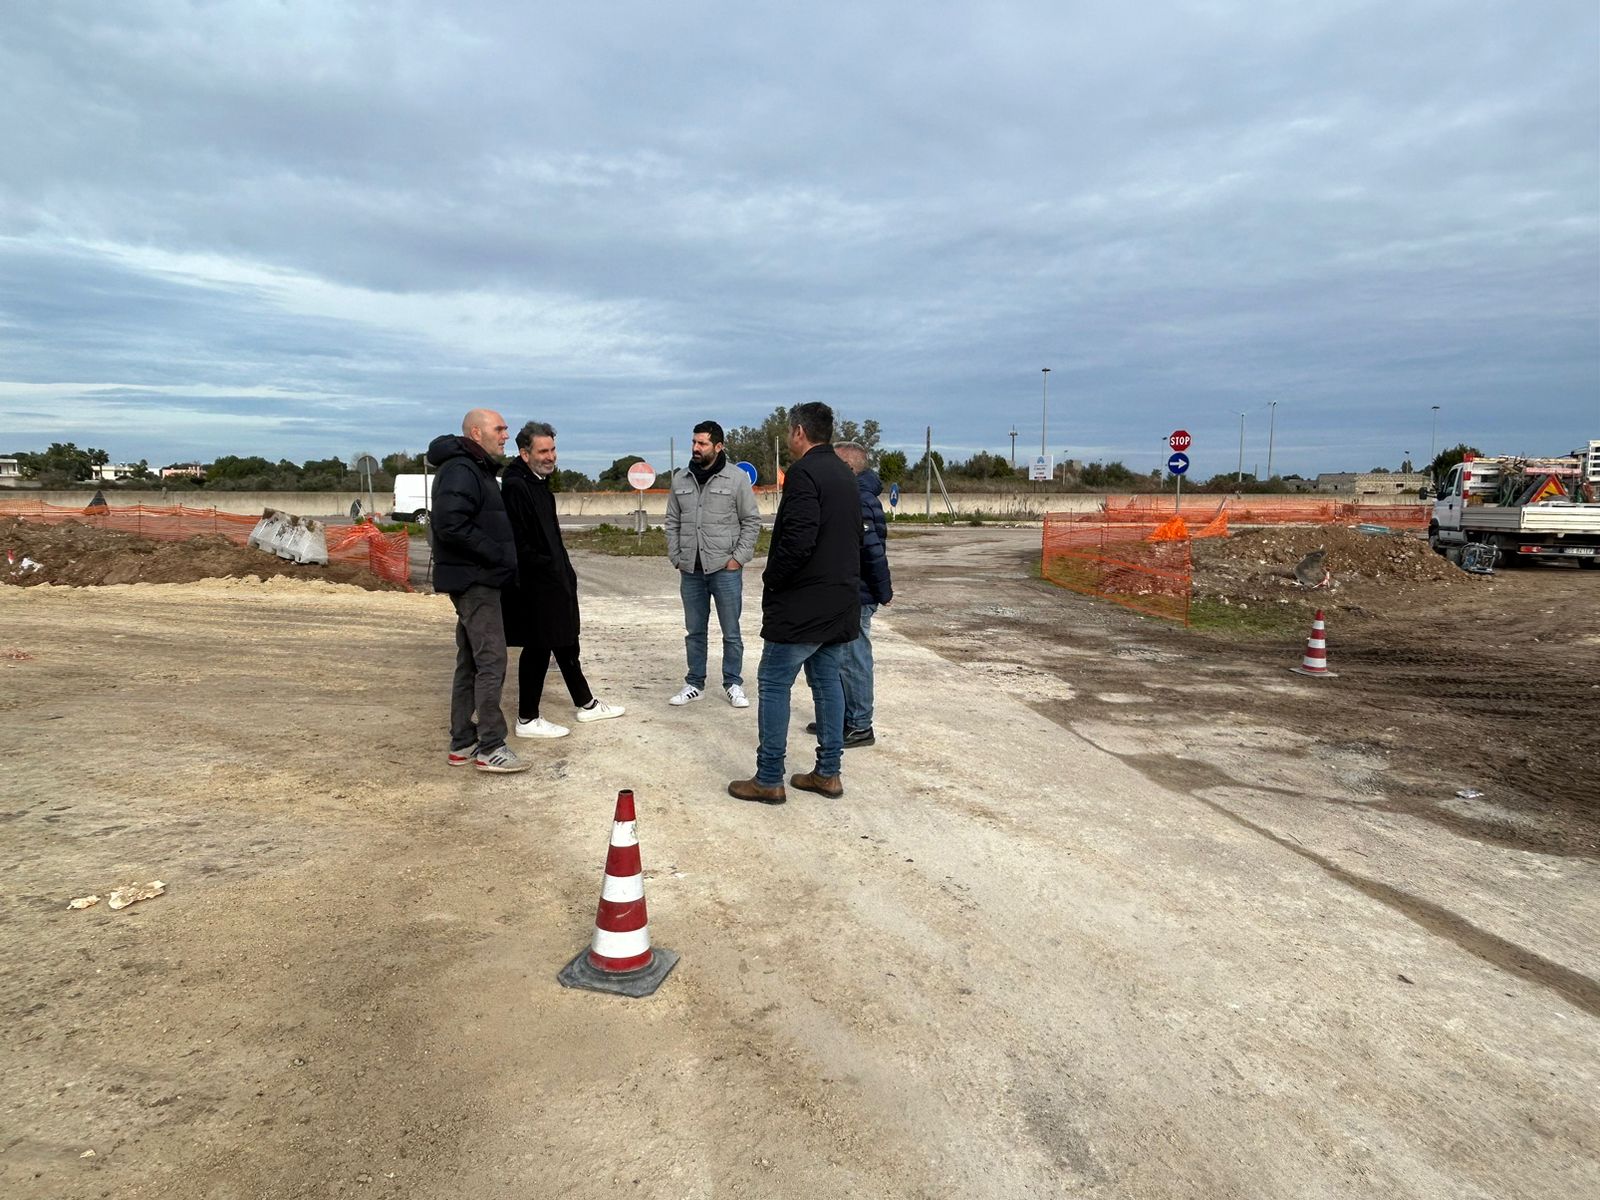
x=580, y=973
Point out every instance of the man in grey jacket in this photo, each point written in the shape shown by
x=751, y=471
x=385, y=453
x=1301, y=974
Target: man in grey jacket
x=712, y=526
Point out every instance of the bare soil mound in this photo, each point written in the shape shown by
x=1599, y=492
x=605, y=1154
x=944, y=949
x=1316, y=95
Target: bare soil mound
x=75, y=554
x=1258, y=565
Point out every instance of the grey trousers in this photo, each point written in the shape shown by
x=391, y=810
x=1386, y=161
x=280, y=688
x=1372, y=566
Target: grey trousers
x=480, y=670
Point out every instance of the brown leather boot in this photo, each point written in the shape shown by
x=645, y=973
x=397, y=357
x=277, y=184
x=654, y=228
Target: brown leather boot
x=749, y=789
x=824, y=785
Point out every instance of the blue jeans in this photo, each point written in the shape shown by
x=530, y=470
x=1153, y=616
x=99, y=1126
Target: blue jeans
x=855, y=668
x=698, y=591
x=780, y=663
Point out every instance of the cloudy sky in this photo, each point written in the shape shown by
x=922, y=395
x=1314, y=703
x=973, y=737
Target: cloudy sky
x=301, y=228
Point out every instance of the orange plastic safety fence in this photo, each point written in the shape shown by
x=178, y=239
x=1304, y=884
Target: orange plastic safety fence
x=1119, y=563
x=387, y=554
x=167, y=524
x=1203, y=510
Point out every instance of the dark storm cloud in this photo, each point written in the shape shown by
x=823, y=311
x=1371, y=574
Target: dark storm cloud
x=374, y=217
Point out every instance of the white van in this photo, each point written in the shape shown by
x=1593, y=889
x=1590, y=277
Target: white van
x=412, y=498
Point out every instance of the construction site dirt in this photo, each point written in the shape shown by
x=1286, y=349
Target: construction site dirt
x=1113, y=908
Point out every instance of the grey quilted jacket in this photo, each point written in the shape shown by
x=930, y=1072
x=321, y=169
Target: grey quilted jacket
x=717, y=522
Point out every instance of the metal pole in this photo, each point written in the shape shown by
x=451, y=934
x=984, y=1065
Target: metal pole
x=927, y=464
x=1433, y=442
x=672, y=457
x=1177, y=495
x=1013, y=447
x=1271, y=429
x=1044, y=410
x=1238, y=481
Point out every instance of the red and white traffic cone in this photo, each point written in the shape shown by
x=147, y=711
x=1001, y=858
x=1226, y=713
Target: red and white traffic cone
x=620, y=959
x=1315, y=661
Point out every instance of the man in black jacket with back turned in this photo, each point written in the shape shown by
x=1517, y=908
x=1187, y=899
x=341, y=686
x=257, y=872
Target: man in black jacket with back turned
x=809, y=607
x=474, y=557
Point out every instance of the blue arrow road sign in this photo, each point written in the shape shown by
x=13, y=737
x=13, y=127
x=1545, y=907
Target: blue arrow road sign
x=749, y=469
x=894, y=494
x=1177, y=464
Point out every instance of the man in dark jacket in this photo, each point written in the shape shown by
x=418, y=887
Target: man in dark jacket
x=474, y=557
x=809, y=607
x=541, y=609
x=876, y=588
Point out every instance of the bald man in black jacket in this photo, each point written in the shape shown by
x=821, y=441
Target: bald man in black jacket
x=475, y=557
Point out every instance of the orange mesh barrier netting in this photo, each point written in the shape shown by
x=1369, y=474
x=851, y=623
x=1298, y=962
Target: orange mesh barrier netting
x=1399, y=516
x=167, y=524
x=1119, y=563
x=386, y=554
x=1258, y=510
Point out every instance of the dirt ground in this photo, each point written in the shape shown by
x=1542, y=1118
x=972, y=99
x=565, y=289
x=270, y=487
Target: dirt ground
x=1113, y=909
x=80, y=555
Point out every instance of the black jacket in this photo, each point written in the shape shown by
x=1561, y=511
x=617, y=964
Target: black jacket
x=814, y=567
x=471, y=534
x=541, y=608
x=876, y=587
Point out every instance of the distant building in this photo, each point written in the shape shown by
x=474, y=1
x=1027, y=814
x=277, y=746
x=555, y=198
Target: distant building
x=181, y=470
x=10, y=472
x=111, y=472
x=1363, y=483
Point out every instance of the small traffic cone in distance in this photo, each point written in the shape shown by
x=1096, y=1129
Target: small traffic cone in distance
x=620, y=959
x=1315, y=661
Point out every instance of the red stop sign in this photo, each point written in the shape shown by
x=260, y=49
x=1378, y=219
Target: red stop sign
x=1179, y=439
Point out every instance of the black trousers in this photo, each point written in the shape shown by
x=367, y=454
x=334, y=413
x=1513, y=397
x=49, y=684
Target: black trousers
x=531, y=668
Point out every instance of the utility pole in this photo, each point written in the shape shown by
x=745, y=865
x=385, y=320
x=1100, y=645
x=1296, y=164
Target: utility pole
x=1044, y=410
x=1433, y=442
x=1238, y=482
x=1013, y=447
x=1272, y=427
x=927, y=463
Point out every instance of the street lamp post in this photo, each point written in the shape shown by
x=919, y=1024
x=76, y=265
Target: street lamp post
x=1433, y=442
x=1272, y=428
x=1044, y=410
x=1238, y=482
x=1013, y=447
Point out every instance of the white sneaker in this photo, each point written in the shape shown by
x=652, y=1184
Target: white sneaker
x=689, y=694
x=539, y=727
x=736, y=696
x=600, y=711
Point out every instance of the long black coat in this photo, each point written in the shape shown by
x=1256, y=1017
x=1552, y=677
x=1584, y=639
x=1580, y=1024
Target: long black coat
x=541, y=609
x=813, y=573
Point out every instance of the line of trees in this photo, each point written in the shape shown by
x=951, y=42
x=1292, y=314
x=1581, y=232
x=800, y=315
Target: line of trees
x=63, y=464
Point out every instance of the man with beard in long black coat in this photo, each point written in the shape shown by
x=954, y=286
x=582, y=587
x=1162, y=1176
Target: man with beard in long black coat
x=541, y=610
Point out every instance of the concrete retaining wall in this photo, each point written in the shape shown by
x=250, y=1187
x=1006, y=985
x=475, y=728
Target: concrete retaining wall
x=618, y=505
